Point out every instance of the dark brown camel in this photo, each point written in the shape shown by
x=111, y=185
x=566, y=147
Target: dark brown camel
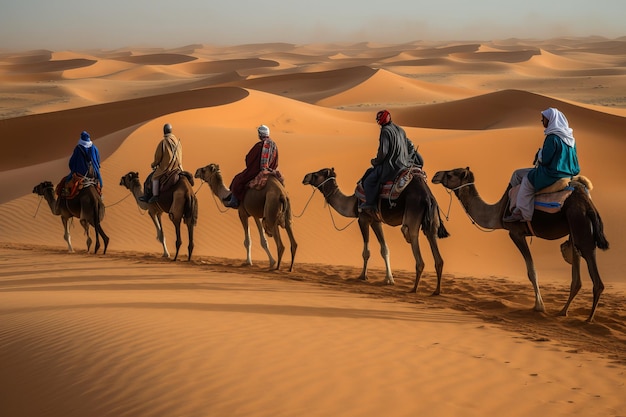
x=180, y=203
x=415, y=208
x=578, y=218
x=132, y=183
x=87, y=206
x=271, y=204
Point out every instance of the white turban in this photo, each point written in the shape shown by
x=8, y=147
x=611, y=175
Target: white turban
x=264, y=131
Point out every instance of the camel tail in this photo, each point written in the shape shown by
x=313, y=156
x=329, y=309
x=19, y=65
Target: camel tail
x=284, y=214
x=598, y=229
x=442, y=232
x=432, y=219
x=287, y=211
x=191, y=211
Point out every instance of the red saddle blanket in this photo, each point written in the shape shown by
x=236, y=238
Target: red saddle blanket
x=70, y=189
x=258, y=182
x=548, y=202
x=391, y=190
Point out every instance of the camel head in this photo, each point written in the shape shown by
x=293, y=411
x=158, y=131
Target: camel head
x=207, y=172
x=454, y=178
x=40, y=189
x=318, y=178
x=129, y=179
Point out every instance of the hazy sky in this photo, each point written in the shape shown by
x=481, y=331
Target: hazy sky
x=109, y=24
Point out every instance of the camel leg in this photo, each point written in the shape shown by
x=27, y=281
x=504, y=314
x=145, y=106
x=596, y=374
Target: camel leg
x=434, y=247
x=66, y=234
x=176, y=220
x=96, y=231
x=264, y=244
x=156, y=219
x=583, y=243
x=271, y=227
x=364, y=226
x=576, y=283
x=247, y=243
x=411, y=236
x=377, y=227
x=280, y=247
x=598, y=286
x=95, y=250
x=105, y=238
x=190, y=246
x=85, y=226
x=522, y=245
x=294, y=244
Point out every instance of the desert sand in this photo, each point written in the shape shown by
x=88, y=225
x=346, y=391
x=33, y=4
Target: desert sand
x=130, y=333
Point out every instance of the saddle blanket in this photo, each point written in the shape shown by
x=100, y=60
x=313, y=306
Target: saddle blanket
x=391, y=190
x=70, y=189
x=258, y=182
x=550, y=202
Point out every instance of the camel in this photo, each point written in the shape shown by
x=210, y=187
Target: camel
x=415, y=208
x=86, y=206
x=578, y=218
x=180, y=203
x=132, y=183
x=269, y=207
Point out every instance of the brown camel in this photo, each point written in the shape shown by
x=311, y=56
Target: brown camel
x=415, y=208
x=132, y=183
x=269, y=207
x=87, y=206
x=180, y=203
x=578, y=218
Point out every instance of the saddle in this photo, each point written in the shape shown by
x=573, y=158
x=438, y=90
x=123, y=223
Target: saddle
x=391, y=190
x=549, y=199
x=70, y=189
x=167, y=181
x=259, y=182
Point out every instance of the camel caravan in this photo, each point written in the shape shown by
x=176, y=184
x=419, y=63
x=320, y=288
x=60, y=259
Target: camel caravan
x=401, y=198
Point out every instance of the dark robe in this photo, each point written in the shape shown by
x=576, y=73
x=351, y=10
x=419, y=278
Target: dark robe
x=263, y=155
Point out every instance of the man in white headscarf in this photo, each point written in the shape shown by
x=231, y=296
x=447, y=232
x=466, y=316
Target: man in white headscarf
x=556, y=159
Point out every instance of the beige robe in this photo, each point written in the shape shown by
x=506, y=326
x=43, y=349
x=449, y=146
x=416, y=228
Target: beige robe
x=168, y=156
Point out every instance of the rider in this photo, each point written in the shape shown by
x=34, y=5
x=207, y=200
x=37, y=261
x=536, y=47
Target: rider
x=263, y=156
x=395, y=153
x=168, y=158
x=85, y=160
x=556, y=159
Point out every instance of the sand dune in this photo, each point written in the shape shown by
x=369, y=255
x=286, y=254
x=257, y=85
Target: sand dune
x=130, y=334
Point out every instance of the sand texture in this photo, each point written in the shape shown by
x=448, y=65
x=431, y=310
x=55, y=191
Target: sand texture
x=131, y=333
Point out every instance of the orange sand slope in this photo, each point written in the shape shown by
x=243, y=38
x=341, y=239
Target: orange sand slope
x=455, y=101
x=112, y=324
x=143, y=337
x=463, y=104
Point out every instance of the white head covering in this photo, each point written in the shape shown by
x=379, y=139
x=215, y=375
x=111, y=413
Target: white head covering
x=263, y=131
x=558, y=125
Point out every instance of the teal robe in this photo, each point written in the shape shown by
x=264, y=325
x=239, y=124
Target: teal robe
x=558, y=160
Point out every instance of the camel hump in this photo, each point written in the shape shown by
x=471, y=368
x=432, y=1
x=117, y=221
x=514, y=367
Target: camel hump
x=189, y=177
x=586, y=182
